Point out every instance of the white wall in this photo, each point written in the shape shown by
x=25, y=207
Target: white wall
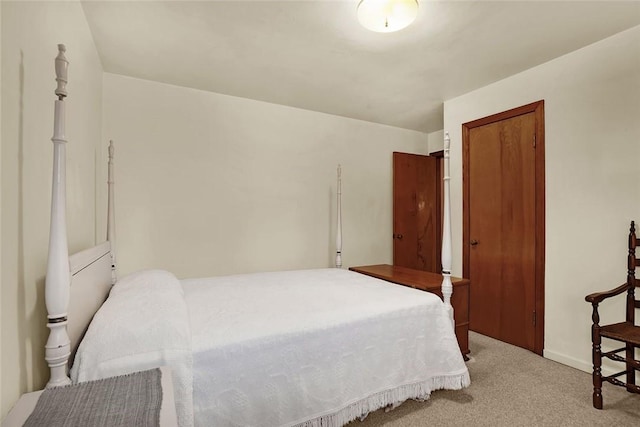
x=592, y=106
x=209, y=184
x=436, y=141
x=30, y=33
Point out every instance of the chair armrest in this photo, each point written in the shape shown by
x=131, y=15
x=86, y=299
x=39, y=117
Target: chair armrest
x=598, y=297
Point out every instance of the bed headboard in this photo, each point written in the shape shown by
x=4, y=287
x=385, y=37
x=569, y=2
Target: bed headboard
x=76, y=285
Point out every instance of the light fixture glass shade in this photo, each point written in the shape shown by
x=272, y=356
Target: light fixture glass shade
x=386, y=16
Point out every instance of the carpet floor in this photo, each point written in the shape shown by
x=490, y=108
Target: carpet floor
x=511, y=386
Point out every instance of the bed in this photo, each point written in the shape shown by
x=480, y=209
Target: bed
x=309, y=347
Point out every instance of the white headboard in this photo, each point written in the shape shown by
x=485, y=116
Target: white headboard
x=75, y=285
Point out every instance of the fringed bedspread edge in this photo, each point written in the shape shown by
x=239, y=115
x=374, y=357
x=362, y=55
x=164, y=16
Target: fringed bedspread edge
x=389, y=398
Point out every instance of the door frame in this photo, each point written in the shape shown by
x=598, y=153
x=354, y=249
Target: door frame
x=538, y=109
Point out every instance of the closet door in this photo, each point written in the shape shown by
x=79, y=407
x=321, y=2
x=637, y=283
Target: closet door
x=416, y=212
x=503, y=220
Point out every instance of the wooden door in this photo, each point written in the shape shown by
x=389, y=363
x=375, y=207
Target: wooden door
x=504, y=226
x=416, y=198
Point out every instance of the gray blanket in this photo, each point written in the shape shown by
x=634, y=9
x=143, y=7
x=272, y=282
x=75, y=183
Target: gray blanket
x=129, y=400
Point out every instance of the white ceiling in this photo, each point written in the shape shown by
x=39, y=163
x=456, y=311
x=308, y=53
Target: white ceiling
x=314, y=54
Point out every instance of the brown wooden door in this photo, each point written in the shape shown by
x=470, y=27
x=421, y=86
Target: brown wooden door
x=501, y=232
x=416, y=198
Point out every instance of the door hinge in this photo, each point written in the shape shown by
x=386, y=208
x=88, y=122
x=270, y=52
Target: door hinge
x=534, y=140
x=534, y=318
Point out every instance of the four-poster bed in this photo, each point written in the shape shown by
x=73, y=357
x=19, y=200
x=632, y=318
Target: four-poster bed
x=311, y=347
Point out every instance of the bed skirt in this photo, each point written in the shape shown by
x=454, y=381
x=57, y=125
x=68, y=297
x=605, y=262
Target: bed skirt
x=388, y=398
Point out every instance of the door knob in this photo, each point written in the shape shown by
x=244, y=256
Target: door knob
x=474, y=242
x=397, y=236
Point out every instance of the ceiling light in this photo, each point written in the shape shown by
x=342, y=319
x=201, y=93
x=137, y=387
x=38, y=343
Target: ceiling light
x=386, y=16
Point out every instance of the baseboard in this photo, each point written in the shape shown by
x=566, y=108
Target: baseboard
x=582, y=365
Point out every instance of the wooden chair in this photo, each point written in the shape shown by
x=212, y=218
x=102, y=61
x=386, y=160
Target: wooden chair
x=626, y=332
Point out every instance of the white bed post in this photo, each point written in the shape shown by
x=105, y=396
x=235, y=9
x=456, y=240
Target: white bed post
x=111, y=219
x=447, y=287
x=57, y=349
x=339, y=232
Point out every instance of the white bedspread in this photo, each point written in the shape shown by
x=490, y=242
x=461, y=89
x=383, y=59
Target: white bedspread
x=143, y=325
x=285, y=348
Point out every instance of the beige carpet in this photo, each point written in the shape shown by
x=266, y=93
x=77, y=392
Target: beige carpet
x=514, y=387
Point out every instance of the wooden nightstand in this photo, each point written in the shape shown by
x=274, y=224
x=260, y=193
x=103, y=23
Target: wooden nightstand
x=27, y=403
x=429, y=282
